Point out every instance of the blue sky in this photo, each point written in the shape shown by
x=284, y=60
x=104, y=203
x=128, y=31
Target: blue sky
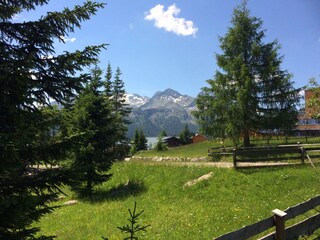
x=172, y=44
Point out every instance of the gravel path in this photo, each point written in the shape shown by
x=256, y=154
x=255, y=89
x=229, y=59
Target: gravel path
x=217, y=164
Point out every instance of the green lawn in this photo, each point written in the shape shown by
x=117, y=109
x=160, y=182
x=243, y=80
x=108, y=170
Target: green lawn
x=201, y=149
x=226, y=202
x=185, y=151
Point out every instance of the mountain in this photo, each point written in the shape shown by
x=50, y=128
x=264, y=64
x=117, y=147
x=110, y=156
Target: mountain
x=168, y=99
x=166, y=110
x=135, y=100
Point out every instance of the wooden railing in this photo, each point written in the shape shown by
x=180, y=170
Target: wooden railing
x=273, y=153
x=305, y=227
x=268, y=153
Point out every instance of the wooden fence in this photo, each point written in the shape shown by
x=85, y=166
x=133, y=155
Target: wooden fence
x=268, y=153
x=305, y=227
x=274, y=153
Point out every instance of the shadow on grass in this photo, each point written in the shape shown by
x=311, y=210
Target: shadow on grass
x=120, y=192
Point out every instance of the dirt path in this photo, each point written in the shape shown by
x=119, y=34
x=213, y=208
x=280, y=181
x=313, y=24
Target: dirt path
x=216, y=164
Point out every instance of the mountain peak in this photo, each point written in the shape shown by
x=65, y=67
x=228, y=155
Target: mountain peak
x=135, y=100
x=167, y=92
x=168, y=98
x=167, y=110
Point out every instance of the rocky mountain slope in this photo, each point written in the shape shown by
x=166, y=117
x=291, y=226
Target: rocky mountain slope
x=167, y=110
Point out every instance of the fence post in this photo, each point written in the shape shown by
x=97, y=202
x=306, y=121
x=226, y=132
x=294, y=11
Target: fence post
x=279, y=222
x=302, y=154
x=234, y=158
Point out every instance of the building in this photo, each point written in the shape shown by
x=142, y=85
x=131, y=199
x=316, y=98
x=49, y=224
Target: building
x=172, y=141
x=308, y=126
x=198, y=138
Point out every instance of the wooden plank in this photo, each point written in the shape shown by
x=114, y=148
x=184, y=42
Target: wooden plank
x=311, y=151
x=301, y=208
x=260, y=153
x=267, y=159
x=306, y=227
x=249, y=231
x=270, y=236
x=220, y=153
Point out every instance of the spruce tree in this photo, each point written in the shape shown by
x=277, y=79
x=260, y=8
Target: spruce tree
x=94, y=121
x=142, y=142
x=139, y=141
x=250, y=92
x=118, y=95
x=31, y=74
x=185, y=135
x=108, y=84
x=119, y=105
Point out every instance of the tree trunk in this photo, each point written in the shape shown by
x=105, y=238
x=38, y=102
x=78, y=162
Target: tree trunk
x=246, y=138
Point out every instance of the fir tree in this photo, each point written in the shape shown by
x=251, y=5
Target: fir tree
x=140, y=141
x=28, y=79
x=108, y=85
x=185, y=135
x=251, y=92
x=92, y=119
x=119, y=105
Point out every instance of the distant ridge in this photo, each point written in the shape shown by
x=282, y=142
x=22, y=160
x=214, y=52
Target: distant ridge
x=166, y=110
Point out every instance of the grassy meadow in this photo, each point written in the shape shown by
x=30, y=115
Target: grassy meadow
x=225, y=202
x=201, y=149
x=190, y=150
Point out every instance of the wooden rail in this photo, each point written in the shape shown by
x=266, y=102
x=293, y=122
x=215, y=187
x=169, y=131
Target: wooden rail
x=305, y=227
x=269, y=153
x=273, y=153
x=219, y=151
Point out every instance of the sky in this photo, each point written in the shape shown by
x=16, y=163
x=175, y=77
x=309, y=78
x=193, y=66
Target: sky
x=172, y=44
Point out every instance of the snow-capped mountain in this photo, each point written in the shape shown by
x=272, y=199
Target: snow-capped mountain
x=167, y=110
x=168, y=99
x=135, y=100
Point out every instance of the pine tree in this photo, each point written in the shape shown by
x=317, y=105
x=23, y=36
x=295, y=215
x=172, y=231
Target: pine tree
x=160, y=145
x=140, y=141
x=119, y=105
x=251, y=92
x=108, y=85
x=185, y=135
x=92, y=119
x=28, y=79
x=119, y=96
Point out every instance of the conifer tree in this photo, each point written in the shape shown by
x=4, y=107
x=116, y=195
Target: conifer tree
x=31, y=74
x=142, y=141
x=92, y=119
x=185, y=135
x=119, y=104
x=119, y=96
x=250, y=92
x=108, y=85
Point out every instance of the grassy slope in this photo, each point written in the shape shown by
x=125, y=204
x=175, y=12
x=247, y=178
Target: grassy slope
x=201, y=149
x=190, y=150
x=228, y=201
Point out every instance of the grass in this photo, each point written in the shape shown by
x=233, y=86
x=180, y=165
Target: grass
x=201, y=149
x=185, y=151
x=226, y=202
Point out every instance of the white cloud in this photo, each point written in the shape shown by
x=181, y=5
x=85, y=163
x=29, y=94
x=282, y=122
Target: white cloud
x=131, y=26
x=68, y=39
x=169, y=21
